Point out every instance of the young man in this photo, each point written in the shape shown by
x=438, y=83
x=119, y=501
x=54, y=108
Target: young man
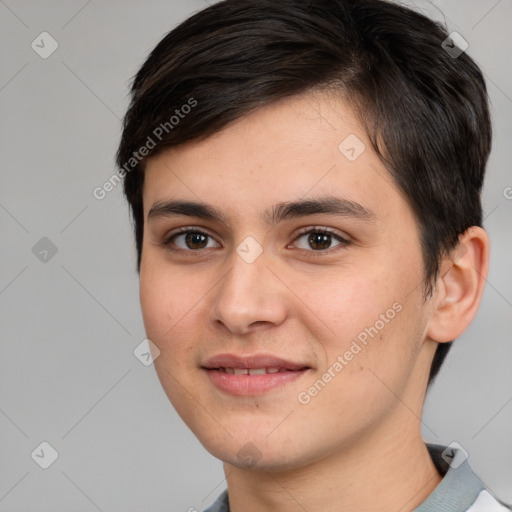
x=305, y=178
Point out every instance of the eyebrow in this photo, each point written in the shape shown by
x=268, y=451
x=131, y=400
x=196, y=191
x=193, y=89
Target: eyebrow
x=281, y=211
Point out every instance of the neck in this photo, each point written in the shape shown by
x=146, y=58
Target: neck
x=389, y=471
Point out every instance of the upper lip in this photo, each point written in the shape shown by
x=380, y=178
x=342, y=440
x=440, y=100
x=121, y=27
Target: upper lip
x=254, y=361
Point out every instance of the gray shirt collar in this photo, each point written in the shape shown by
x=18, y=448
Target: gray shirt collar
x=456, y=492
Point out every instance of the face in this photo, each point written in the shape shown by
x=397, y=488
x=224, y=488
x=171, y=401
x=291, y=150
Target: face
x=281, y=280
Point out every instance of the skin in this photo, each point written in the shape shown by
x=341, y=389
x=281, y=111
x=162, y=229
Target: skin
x=357, y=444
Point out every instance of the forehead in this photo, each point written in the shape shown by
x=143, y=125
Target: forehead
x=301, y=147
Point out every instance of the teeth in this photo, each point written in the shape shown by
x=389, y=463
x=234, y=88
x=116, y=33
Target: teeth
x=257, y=371
x=252, y=371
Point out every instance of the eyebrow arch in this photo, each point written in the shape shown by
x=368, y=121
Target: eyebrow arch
x=326, y=205
x=277, y=213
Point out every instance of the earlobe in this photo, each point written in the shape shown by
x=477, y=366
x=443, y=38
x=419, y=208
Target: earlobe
x=460, y=286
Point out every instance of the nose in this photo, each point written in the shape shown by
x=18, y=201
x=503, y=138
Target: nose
x=250, y=296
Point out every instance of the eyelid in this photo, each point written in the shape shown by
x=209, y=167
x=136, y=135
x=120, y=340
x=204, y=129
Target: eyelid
x=344, y=240
x=182, y=230
x=321, y=229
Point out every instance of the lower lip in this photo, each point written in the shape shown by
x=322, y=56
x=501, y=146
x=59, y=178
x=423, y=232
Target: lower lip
x=245, y=385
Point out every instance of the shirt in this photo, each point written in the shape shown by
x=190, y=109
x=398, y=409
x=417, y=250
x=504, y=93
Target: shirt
x=460, y=490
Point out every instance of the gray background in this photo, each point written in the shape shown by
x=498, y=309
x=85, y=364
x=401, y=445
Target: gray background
x=70, y=324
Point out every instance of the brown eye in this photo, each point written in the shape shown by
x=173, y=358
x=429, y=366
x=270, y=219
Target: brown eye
x=319, y=240
x=195, y=240
x=190, y=240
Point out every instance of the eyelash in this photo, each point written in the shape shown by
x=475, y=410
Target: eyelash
x=312, y=229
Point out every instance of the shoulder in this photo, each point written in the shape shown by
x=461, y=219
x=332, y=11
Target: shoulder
x=460, y=490
x=486, y=502
x=221, y=504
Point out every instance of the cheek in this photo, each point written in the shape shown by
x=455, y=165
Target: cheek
x=164, y=302
x=372, y=321
x=163, y=289
x=163, y=299
x=350, y=301
x=367, y=368
x=172, y=311
x=154, y=300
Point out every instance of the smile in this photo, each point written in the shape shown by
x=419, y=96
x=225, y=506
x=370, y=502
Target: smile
x=251, y=375
x=252, y=371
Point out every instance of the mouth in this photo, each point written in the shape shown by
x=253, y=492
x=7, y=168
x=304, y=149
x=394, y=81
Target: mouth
x=251, y=375
x=252, y=371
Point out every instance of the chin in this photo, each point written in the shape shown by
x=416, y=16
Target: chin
x=253, y=452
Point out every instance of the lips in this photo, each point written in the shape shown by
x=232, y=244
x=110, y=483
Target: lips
x=267, y=362
x=251, y=375
x=252, y=371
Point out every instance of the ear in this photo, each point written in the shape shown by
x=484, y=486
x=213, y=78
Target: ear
x=459, y=287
